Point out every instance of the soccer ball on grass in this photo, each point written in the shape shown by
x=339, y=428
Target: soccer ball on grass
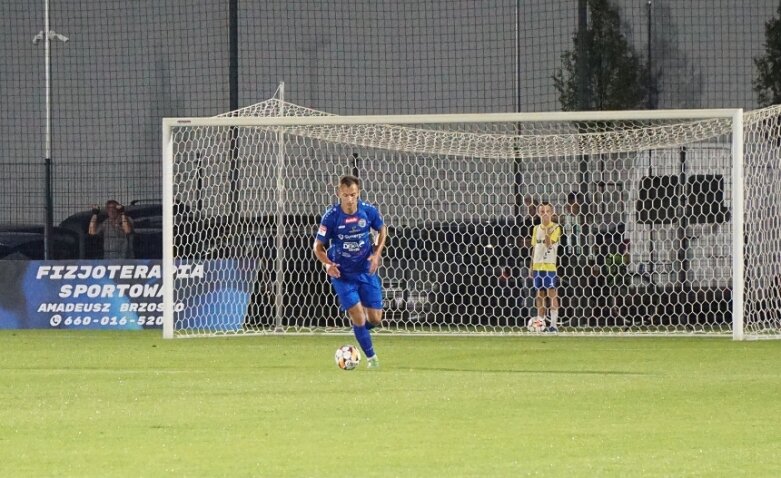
x=536, y=324
x=347, y=357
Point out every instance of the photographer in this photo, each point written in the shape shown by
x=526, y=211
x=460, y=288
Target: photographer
x=116, y=229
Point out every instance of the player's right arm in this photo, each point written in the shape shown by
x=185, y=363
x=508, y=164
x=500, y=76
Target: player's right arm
x=331, y=268
x=320, y=250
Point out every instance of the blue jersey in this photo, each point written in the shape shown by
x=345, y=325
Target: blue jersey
x=348, y=236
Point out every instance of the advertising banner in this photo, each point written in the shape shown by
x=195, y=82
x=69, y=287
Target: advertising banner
x=123, y=294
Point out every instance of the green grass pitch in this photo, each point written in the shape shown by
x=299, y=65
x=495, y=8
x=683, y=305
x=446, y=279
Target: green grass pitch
x=88, y=403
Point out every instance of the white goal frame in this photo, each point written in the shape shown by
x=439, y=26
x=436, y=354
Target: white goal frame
x=737, y=180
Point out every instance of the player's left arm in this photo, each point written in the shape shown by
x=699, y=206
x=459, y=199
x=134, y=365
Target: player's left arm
x=555, y=235
x=550, y=239
x=379, y=246
x=379, y=242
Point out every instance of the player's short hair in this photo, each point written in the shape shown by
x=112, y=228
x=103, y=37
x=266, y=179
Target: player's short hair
x=349, y=181
x=112, y=202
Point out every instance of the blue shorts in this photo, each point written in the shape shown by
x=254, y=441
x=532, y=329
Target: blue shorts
x=361, y=287
x=545, y=280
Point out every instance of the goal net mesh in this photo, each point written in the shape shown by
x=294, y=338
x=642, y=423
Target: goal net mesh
x=645, y=209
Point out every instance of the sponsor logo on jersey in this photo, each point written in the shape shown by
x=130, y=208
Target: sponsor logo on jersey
x=352, y=246
x=350, y=220
x=322, y=230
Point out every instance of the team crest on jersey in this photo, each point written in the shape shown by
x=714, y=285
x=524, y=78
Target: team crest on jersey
x=362, y=223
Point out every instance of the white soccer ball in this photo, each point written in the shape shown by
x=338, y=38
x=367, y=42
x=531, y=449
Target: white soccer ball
x=536, y=324
x=347, y=357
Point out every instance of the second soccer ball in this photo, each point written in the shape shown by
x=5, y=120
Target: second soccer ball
x=536, y=324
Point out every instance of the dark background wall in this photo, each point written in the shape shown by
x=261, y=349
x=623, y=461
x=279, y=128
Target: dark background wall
x=128, y=64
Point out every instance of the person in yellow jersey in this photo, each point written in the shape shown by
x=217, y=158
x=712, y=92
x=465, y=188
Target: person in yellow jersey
x=545, y=244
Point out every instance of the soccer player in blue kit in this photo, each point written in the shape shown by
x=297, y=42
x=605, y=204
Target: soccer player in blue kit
x=344, y=245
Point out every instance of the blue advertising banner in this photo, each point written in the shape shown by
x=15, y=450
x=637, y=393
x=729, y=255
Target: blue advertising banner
x=116, y=294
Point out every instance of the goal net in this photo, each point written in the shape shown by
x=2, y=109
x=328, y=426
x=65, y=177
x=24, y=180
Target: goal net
x=648, y=204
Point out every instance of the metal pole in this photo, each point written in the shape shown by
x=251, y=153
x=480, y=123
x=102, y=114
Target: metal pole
x=582, y=66
x=683, y=220
x=651, y=81
x=280, y=236
x=48, y=210
x=518, y=56
x=233, y=86
x=168, y=232
x=233, y=46
x=46, y=35
x=651, y=106
x=517, y=163
x=738, y=204
x=583, y=96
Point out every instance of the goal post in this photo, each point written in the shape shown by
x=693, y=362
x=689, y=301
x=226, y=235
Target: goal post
x=738, y=235
x=650, y=203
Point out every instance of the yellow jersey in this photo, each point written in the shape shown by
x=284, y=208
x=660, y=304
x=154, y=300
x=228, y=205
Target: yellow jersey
x=544, y=257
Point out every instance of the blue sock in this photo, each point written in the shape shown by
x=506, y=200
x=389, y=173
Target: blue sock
x=364, y=340
x=369, y=325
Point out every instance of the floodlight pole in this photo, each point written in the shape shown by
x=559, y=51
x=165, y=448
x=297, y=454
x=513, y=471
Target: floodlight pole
x=46, y=35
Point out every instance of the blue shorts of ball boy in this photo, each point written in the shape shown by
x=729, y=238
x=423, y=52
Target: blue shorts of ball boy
x=545, y=280
x=359, y=287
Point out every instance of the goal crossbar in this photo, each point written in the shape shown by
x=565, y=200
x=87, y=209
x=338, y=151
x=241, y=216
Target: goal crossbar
x=574, y=116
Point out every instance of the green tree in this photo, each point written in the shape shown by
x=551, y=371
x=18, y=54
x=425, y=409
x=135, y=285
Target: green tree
x=767, y=83
x=611, y=76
